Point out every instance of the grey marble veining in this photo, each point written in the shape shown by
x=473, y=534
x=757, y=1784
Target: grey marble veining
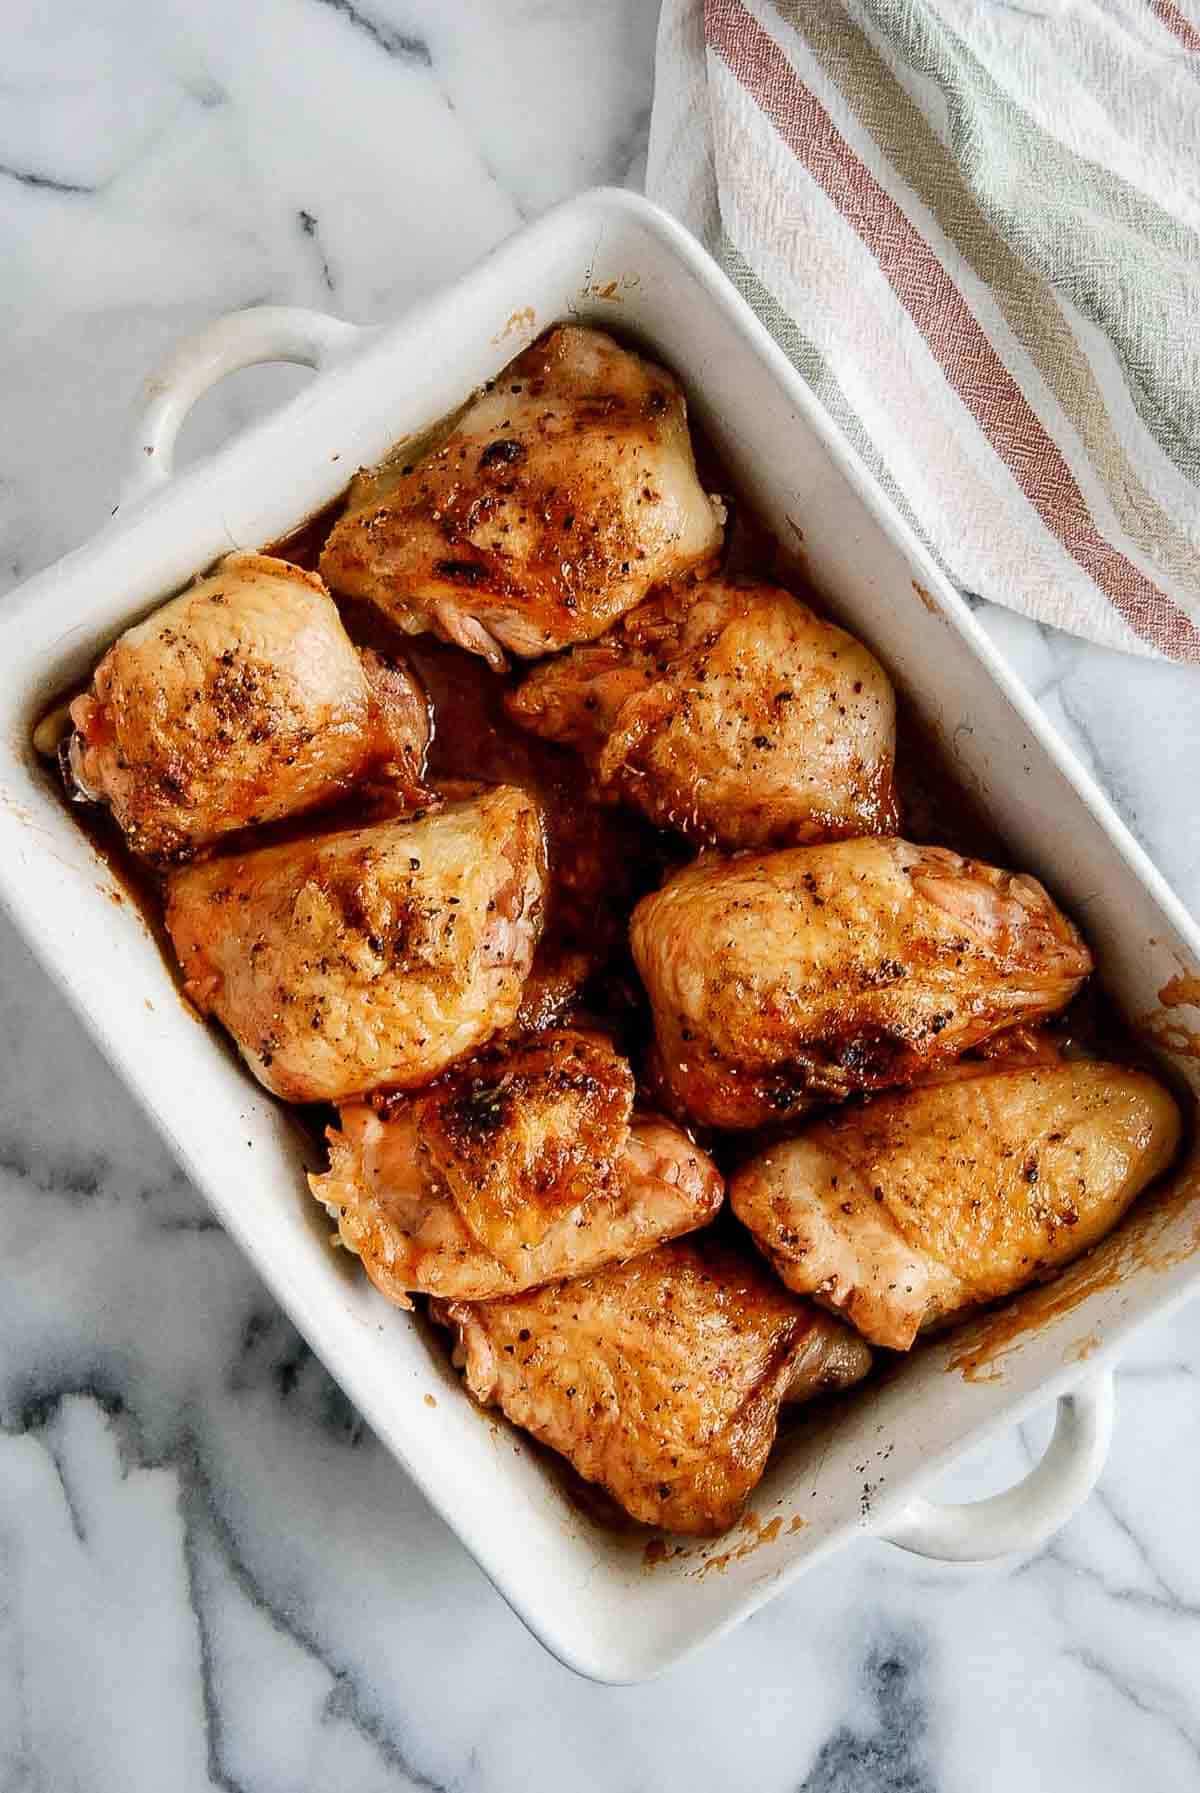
x=211, y=1575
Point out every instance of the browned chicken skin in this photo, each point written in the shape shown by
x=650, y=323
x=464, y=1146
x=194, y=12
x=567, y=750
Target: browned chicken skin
x=433, y=960
x=731, y=712
x=661, y=1379
x=524, y=1165
x=778, y=979
x=371, y=956
x=240, y=701
x=904, y=1211
x=561, y=494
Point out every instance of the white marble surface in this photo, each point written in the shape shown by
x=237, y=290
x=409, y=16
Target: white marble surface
x=210, y=1575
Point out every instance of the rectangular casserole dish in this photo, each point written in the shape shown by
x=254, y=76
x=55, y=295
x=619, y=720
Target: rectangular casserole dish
x=612, y=1607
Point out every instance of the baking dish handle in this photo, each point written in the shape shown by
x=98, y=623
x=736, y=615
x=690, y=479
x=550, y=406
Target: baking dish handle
x=1024, y=1517
x=240, y=339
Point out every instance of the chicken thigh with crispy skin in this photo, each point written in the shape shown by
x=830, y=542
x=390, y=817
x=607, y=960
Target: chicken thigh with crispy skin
x=240, y=701
x=559, y=496
x=731, y=712
x=919, y=1204
x=371, y=956
x=779, y=979
x=661, y=1379
x=523, y=1165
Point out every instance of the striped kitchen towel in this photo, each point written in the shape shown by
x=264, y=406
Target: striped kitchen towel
x=975, y=229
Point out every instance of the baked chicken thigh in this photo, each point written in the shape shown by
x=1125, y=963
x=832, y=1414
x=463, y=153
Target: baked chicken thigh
x=904, y=1211
x=661, y=1379
x=782, y=978
x=371, y=956
x=240, y=701
x=523, y=1165
x=731, y=712
x=560, y=495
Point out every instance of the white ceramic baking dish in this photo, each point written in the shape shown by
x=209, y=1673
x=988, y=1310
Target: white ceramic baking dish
x=603, y=1603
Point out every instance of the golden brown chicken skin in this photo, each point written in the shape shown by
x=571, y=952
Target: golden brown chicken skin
x=661, y=1379
x=524, y=1165
x=371, y=956
x=731, y=712
x=561, y=494
x=240, y=701
x=917, y=1205
x=779, y=979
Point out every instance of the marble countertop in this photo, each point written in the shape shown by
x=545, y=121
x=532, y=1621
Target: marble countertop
x=210, y=1574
